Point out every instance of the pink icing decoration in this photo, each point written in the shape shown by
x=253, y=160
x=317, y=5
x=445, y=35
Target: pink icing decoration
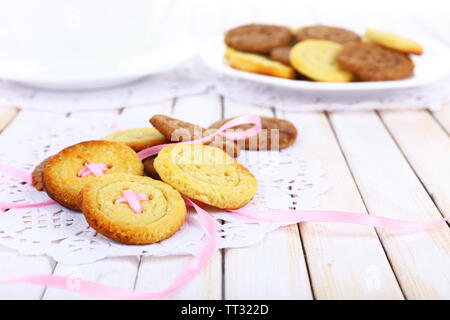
x=133, y=199
x=94, y=168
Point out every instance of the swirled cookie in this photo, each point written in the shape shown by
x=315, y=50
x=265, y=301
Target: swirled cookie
x=206, y=174
x=276, y=134
x=67, y=172
x=372, y=62
x=256, y=63
x=321, y=32
x=393, y=41
x=162, y=209
x=258, y=38
x=178, y=131
x=137, y=138
x=316, y=59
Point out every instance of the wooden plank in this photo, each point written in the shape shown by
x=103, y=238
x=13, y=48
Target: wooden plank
x=273, y=269
x=427, y=148
x=443, y=117
x=345, y=261
x=7, y=115
x=208, y=283
x=391, y=189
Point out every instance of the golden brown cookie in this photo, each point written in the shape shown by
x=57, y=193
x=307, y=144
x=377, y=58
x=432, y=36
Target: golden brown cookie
x=206, y=174
x=276, y=134
x=281, y=54
x=372, y=62
x=256, y=63
x=149, y=169
x=177, y=131
x=316, y=59
x=160, y=217
x=258, y=38
x=61, y=174
x=36, y=175
x=393, y=41
x=322, y=32
x=137, y=138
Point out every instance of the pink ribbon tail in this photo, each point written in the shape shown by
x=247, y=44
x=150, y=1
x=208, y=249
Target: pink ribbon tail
x=109, y=292
x=16, y=173
x=293, y=216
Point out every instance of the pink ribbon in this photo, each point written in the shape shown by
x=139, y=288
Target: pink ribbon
x=16, y=173
x=133, y=200
x=94, y=168
x=238, y=135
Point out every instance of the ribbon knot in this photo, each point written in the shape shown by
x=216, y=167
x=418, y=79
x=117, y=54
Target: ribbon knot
x=133, y=199
x=94, y=168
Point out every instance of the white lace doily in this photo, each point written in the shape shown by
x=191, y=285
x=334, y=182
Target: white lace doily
x=290, y=179
x=194, y=77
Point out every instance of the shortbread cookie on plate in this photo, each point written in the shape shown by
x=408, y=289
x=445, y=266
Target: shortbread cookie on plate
x=138, y=138
x=256, y=63
x=393, y=41
x=206, y=174
x=177, y=131
x=132, y=209
x=258, y=38
x=372, y=62
x=276, y=134
x=69, y=170
x=316, y=59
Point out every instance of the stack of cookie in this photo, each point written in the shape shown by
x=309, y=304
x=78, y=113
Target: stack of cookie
x=105, y=178
x=320, y=53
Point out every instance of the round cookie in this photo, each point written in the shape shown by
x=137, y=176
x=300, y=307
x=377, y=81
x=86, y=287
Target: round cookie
x=393, y=41
x=256, y=63
x=36, y=175
x=372, y=62
x=162, y=214
x=286, y=134
x=149, y=169
x=137, y=138
x=316, y=59
x=322, y=32
x=258, y=38
x=281, y=54
x=206, y=174
x=60, y=177
x=178, y=131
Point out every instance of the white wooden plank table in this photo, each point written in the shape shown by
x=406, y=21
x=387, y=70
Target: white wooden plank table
x=385, y=163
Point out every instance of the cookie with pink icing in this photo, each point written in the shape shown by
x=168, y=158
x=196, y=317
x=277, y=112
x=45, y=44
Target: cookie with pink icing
x=67, y=172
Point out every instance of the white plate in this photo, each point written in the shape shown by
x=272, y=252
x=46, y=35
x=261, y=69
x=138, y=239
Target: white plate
x=429, y=67
x=164, y=56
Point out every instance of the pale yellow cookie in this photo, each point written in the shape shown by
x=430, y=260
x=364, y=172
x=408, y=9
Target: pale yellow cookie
x=206, y=174
x=256, y=63
x=138, y=138
x=393, y=41
x=316, y=59
x=161, y=216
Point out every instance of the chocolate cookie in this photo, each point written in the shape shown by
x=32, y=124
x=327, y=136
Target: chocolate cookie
x=322, y=32
x=149, y=169
x=282, y=130
x=36, y=175
x=372, y=62
x=258, y=38
x=177, y=131
x=281, y=54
